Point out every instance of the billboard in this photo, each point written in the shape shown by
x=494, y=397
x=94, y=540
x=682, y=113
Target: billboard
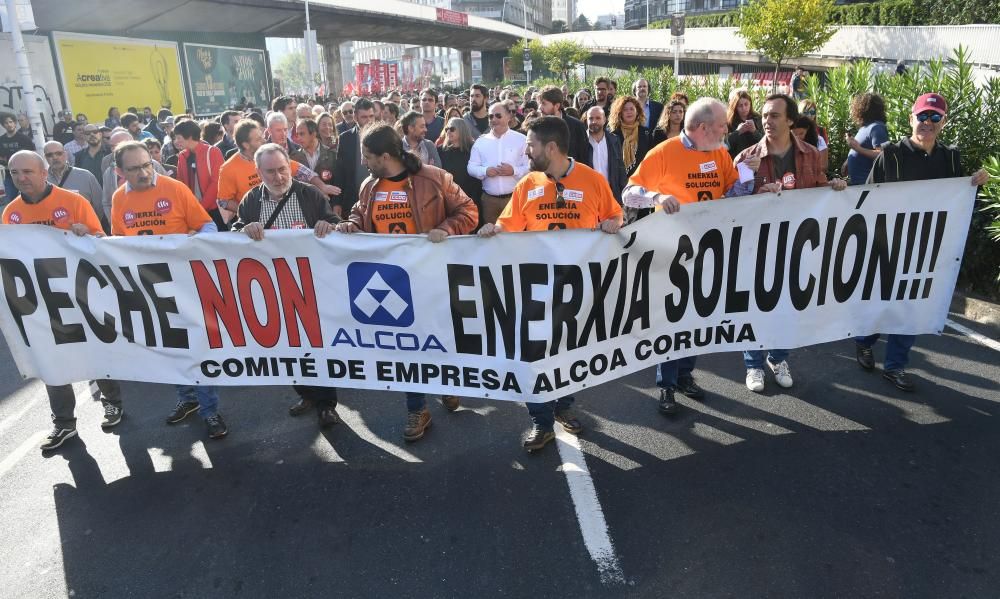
x=220, y=77
x=101, y=71
x=43, y=72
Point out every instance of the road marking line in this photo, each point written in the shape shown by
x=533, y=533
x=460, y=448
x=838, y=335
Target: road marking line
x=593, y=526
x=353, y=419
x=21, y=451
x=978, y=337
x=10, y=420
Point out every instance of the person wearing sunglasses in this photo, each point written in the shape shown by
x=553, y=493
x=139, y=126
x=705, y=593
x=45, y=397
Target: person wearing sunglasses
x=559, y=193
x=915, y=158
x=499, y=161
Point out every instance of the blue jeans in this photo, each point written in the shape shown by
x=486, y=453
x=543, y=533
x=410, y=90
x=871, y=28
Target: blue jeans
x=897, y=349
x=415, y=402
x=207, y=398
x=668, y=373
x=755, y=357
x=10, y=191
x=543, y=415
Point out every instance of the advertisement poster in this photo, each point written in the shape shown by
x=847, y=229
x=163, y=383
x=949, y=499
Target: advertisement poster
x=221, y=77
x=100, y=71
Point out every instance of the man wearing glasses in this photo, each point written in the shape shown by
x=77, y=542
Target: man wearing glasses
x=149, y=204
x=559, y=193
x=915, y=158
x=498, y=159
x=77, y=180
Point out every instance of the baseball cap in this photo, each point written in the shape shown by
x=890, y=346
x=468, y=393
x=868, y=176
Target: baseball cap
x=168, y=120
x=933, y=102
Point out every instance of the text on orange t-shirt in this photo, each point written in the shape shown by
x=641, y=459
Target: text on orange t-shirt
x=61, y=208
x=534, y=206
x=165, y=208
x=688, y=175
x=390, y=209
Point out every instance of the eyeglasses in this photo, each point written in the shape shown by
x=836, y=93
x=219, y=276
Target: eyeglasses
x=809, y=113
x=497, y=115
x=138, y=168
x=54, y=154
x=560, y=200
x=935, y=117
x=449, y=129
x=347, y=112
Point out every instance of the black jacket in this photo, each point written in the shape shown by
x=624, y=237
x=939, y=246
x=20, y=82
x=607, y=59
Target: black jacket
x=313, y=203
x=617, y=179
x=579, y=147
x=642, y=147
x=456, y=162
x=226, y=145
x=738, y=142
x=346, y=173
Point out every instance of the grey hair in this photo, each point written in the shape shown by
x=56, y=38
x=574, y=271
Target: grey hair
x=275, y=117
x=53, y=143
x=465, y=140
x=702, y=111
x=268, y=149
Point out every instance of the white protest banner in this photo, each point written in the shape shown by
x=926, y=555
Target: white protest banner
x=522, y=316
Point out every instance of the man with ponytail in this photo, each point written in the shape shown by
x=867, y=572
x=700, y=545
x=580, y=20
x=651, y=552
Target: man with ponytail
x=404, y=196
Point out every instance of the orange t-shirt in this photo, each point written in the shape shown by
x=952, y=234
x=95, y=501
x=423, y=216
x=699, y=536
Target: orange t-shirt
x=533, y=205
x=239, y=175
x=167, y=207
x=390, y=208
x=61, y=209
x=688, y=175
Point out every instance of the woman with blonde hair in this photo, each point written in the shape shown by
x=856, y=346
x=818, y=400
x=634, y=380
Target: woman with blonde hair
x=451, y=113
x=327, y=130
x=626, y=122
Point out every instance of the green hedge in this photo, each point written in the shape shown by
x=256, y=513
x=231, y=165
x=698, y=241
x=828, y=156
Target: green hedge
x=886, y=12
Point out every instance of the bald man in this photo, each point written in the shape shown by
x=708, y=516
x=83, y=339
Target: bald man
x=41, y=203
x=78, y=180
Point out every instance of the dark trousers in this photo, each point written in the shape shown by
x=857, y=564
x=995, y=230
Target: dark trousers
x=321, y=397
x=62, y=401
x=543, y=415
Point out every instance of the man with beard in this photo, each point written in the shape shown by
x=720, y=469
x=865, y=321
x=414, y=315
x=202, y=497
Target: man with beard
x=92, y=155
x=478, y=116
x=551, y=103
x=414, y=129
x=558, y=193
x=281, y=202
x=606, y=151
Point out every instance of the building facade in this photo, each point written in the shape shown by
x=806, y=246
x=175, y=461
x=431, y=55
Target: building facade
x=659, y=10
x=564, y=10
x=539, y=13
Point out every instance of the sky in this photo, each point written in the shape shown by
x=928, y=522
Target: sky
x=595, y=8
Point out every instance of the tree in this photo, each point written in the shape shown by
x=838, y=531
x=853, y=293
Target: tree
x=582, y=24
x=516, y=54
x=562, y=56
x=558, y=26
x=294, y=72
x=780, y=29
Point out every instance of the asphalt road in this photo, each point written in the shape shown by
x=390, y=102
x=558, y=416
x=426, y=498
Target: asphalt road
x=840, y=487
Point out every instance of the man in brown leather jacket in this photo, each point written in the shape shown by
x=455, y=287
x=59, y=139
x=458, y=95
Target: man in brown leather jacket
x=402, y=196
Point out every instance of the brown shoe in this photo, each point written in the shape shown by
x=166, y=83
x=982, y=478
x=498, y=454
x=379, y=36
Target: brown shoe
x=300, y=408
x=328, y=417
x=416, y=424
x=450, y=402
x=538, y=438
x=569, y=421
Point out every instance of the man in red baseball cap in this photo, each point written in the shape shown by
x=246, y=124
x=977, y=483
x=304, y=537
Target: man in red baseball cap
x=915, y=158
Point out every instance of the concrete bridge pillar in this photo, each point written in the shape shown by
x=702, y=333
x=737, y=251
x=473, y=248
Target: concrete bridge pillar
x=334, y=73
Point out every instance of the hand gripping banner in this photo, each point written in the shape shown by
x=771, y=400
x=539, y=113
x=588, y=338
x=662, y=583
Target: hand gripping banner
x=522, y=316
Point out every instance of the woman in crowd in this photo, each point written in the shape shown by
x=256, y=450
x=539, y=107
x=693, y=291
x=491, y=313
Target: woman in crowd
x=868, y=111
x=455, y=154
x=807, y=108
x=338, y=117
x=626, y=122
x=390, y=113
x=671, y=122
x=327, y=131
x=451, y=113
x=745, y=128
x=581, y=100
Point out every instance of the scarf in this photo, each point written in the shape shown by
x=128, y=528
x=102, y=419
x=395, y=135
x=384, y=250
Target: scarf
x=630, y=143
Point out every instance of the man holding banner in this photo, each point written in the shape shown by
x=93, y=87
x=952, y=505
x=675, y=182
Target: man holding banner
x=916, y=158
x=405, y=196
x=152, y=205
x=42, y=203
x=559, y=193
x=692, y=167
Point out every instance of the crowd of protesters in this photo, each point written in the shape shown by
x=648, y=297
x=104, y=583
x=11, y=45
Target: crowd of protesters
x=452, y=164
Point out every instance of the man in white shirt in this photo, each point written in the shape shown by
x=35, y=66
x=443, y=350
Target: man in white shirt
x=499, y=160
x=606, y=151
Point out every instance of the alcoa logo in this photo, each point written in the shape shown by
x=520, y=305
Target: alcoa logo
x=380, y=294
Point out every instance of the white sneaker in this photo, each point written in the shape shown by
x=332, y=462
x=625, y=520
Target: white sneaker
x=755, y=379
x=782, y=375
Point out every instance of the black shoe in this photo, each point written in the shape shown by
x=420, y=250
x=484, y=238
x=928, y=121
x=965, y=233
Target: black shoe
x=900, y=379
x=866, y=359
x=538, y=438
x=328, y=417
x=690, y=389
x=182, y=410
x=569, y=422
x=668, y=405
x=57, y=437
x=217, y=428
x=303, y=406
x=112, y=416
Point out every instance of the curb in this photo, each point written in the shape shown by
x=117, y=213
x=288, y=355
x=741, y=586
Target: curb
x=976, y=310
